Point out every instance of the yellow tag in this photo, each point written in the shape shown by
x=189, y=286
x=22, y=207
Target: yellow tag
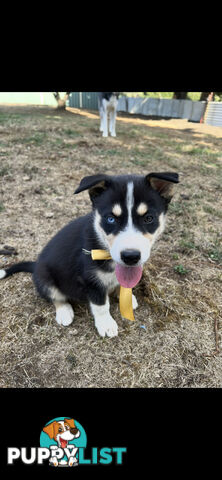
x=125, y=297
x=100, y=255
x=125, y=303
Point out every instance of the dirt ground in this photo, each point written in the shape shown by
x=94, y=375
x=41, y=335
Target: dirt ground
x=175, y=340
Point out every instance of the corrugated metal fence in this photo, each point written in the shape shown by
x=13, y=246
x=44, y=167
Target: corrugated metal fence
x=213, y=114
x=88, y=100
x=164, y=107
x=160, y=107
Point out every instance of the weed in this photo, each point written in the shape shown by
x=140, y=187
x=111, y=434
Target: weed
x=4, y=171
x=6, y=117
x=37, y=139
x=71, y=133
x=112, y=152
x=212, y=211
x=215, y=255
x=181, y=269
x=187, y=245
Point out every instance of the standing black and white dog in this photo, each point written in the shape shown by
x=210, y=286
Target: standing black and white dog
x=128, y=216
x=107, y=102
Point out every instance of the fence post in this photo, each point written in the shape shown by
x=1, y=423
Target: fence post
x=80, y=99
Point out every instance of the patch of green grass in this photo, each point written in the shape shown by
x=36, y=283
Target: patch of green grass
x=7, y=117
x=165, y=136
x=215, y=255
x=37, y=139
x=61, y=143
x=112, y=152
x=133, y=132
x=4, y=171
x=71, y=133
x=145, y=156
x=109, y=153
x=215, y=250
x=196, y=151
x=181, y=269
x=210, y=154
x=57, y=141
x=83, y=124
x=187, y=245
x=2, y=207
x=212, y=211
x=177, y=208
x=136, y=161
x=203, y=152
x=28, y=170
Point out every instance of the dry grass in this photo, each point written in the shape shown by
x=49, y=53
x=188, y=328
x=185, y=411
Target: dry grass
x=176, y=338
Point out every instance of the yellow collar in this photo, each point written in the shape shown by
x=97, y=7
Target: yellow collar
x=125, y=297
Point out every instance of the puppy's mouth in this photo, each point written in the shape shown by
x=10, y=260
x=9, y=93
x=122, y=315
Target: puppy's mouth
x=127, y=276
x=63, y=442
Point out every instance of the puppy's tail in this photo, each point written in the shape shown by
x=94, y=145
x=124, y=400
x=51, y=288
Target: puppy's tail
x=18, y=267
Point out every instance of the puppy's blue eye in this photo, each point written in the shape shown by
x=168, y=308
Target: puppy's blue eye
x=111, y=220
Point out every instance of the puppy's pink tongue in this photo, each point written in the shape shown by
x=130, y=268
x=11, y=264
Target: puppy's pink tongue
x=128, y=277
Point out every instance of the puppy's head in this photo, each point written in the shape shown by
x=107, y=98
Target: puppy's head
x=129, y=212
x=62, y=431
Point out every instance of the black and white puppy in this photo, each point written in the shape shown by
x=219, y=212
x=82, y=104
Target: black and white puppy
x=128, y=216
x=107, y=102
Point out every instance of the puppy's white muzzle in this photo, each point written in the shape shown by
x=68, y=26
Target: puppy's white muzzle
x=69, y=436
x=126, y=241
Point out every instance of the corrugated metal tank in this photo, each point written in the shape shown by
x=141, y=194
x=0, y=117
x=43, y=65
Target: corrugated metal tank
x=213, y=114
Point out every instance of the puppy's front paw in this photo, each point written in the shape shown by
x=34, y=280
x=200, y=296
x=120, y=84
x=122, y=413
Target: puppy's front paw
x=64, y=314
x=106, y=325
x=73, y=462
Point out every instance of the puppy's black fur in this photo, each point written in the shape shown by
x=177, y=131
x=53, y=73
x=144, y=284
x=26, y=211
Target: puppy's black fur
x=107, y=95
x=64, y=264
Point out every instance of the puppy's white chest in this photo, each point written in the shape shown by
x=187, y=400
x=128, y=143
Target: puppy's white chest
x=108, y=279
x=111, y=105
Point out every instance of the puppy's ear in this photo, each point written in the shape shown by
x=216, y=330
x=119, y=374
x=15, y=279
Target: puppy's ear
x=96, y=184
x=49, y=429
x=70, y=422
x=163, y=183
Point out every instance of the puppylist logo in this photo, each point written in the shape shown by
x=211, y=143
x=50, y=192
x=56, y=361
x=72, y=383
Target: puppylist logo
x=63, y=442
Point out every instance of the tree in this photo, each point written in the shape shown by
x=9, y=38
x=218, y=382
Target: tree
x=207, y=96
x=210, y=96
x=180, y=95
x=61, y=102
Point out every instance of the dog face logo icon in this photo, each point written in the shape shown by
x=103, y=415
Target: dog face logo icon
x=62, y=431
x=63, y=436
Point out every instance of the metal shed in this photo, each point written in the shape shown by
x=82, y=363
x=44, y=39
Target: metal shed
x=213, y=114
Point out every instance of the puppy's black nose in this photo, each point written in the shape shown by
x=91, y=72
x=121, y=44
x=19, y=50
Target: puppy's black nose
x=130, y=257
